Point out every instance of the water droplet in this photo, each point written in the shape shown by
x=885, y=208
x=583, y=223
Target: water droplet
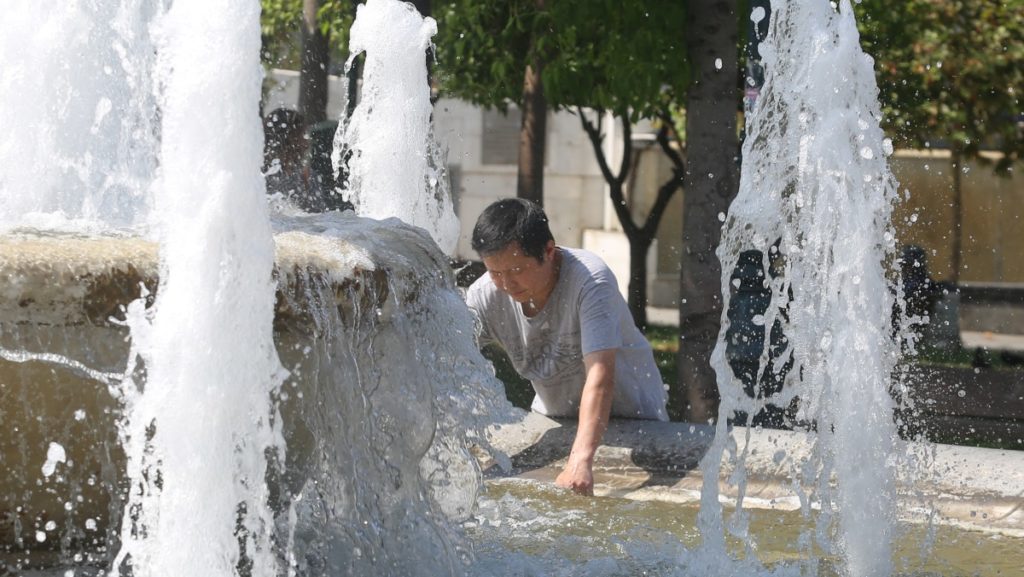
x=721, y=217
x=961, y=393
x=887, y=146
x=54, y=454
x=51, y=525
x=913, y=217
x=867, y=153
x=40, y=536
x=758, y=320
x=718, y=63
x=90, y=524
x=79, y=415
x=736, y=282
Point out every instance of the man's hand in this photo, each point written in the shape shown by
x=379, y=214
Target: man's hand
x=578, y=476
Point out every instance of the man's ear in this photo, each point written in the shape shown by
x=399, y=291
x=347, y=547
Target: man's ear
x=549, y=250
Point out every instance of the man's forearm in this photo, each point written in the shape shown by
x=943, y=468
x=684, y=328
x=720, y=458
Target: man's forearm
x=595, y=409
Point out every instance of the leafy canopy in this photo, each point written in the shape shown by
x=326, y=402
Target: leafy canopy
x=628, y=57
x=950, y=72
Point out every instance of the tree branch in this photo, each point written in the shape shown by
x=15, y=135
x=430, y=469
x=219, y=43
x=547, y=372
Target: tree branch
x=666, y=145
x=665, y=193
x=614, y=181
x=596, y=140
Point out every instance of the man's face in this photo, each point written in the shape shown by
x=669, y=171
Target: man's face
x=521, y=276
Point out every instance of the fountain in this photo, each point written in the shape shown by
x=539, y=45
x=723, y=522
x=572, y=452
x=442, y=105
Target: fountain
x=260, y=387
x=815, y=198
x=197, y=386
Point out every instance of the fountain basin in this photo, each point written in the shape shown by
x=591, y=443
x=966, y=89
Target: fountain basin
x=973, y=488
x=350, y=292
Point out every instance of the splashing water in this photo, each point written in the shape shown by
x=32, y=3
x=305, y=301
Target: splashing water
x=815, y=199
x=200, y=421
x=394, y=166
x=79, y=148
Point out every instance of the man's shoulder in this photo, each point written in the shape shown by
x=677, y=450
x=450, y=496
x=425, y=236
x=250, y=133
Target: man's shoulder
x=588, y=267
x=585, y=258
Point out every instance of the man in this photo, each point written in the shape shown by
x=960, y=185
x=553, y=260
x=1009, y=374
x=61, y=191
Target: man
x=559, y=316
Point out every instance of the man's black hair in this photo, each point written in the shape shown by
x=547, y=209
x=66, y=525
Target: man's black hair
x=512, y=220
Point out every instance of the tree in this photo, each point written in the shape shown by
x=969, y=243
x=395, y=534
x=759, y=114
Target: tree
x=534, y=127
x=313, y=71
x=307, y=34
x=640, y=236
x=627, y=59
x=711, y=182
x=950, y=75
x=493, y=54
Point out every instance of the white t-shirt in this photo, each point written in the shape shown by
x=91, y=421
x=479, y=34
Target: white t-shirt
x=585, y=313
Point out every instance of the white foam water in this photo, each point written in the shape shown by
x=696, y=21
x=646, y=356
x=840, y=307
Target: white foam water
x=200, y=423
x=80, y=133
x=815, y=199
x=388, y=391
x=394, y=166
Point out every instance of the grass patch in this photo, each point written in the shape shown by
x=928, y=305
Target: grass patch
x=518, y=390
x=964, y=357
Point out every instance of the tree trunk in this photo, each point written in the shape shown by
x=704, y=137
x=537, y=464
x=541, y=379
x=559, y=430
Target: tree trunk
x=710, y=182
x=532, y=133
x=958, y=216
x=638, y=248
x=313, y=67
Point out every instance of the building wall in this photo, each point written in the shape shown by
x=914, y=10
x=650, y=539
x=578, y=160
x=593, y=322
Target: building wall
x=993, y=219
x=993, y=216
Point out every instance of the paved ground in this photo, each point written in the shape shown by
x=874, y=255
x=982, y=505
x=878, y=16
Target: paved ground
x=970, y=339
x=660, y=316
x=993, y=341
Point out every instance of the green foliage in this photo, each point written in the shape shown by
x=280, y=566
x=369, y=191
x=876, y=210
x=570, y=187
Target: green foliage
x=335, y=18
x=623, y=56
x=518, y=390
x=281, y=24
x=950, y=72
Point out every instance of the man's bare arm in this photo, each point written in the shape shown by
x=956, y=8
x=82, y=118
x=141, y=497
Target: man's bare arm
x=595, y=410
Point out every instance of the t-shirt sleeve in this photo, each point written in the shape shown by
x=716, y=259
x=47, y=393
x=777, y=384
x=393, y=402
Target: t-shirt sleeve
x=477, y=302
x=599, y=323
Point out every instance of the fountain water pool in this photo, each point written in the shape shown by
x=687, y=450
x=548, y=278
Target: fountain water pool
x=374, y=477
